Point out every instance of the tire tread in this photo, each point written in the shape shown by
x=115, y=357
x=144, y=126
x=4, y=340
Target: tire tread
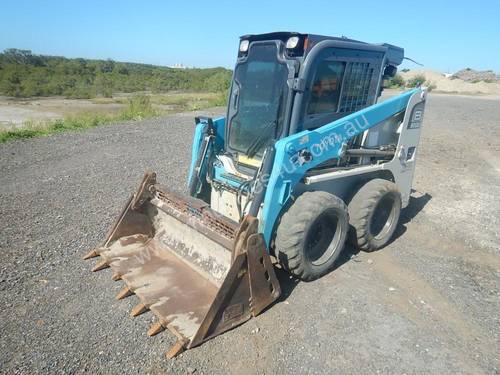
x=290, y=234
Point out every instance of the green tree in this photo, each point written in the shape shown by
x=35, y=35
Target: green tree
x=11, y=83
x=218, y=82
x=25, y=74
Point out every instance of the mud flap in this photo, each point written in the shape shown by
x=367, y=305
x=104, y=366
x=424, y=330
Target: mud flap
x=199, y=272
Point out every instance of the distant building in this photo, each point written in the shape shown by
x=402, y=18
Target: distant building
x=178, y=66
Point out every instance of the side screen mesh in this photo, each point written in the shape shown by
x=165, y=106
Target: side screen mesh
x=357, y=81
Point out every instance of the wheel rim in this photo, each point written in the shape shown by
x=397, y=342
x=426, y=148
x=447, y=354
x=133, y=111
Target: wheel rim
x=323, y=238
x=383, y=217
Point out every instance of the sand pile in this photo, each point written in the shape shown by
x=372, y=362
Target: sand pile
x=452, y=84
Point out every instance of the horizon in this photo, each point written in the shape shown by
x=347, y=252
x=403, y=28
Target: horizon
x=208, y=37
x=180, y=65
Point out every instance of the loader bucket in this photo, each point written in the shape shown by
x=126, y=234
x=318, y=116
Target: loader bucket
x=199, y=272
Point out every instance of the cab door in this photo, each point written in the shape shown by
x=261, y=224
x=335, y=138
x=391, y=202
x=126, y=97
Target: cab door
x=342, y=81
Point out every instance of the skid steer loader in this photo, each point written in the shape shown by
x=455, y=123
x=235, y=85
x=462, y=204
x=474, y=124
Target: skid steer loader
x=304, y=161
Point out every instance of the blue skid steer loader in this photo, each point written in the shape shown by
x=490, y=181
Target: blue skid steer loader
x=304, y=160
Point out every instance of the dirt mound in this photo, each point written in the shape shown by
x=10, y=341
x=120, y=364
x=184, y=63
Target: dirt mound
x=453, y=84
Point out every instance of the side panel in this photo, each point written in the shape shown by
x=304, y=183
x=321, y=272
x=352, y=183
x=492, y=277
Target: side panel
x=403, y=165
x=220, y=131
x=300, y=152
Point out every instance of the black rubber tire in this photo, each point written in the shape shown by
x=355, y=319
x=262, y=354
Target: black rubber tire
x=298, y=247
x=377, y=202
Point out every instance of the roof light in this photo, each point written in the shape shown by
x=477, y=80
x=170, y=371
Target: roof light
x=244, y=45
x=292, y=42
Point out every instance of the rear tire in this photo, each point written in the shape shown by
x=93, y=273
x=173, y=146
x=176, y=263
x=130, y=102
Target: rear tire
x=374, y=213
x=312, y=234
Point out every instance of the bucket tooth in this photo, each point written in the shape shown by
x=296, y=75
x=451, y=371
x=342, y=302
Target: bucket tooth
x=100, y=266
x=116, y=277
x=155, y=329
x=91, y=254
x=139, y=309
x=176, y=349
x=125, y=292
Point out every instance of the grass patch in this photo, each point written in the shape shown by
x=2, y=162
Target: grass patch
x=175, y=101
x=42, y=128
x=136, y=108
x=112, y=100
x=181, y=102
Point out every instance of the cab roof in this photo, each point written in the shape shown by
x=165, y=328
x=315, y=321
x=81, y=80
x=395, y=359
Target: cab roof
x=394, y=54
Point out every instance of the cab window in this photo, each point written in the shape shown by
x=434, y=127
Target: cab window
x=325, y=88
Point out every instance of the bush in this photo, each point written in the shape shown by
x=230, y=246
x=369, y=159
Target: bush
x=416, y=81
x=219, y=82
x=397, y=81
x=430, y=85
x=23, y=74
x=138, y=107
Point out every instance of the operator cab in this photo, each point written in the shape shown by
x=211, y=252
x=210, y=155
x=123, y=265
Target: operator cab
x=286, y=82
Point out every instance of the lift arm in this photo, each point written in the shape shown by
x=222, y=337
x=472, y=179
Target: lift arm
x=298, y=153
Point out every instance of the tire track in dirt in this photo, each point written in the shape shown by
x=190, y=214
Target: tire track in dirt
x=422, y=304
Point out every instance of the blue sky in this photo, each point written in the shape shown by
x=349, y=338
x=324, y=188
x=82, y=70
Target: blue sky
x=443, y=35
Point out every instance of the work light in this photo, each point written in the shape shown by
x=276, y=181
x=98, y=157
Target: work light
x=292, y=42
x=244, y=45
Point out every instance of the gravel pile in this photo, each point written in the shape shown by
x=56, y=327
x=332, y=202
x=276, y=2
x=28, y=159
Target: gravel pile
x=473, y=76
x=429, y=302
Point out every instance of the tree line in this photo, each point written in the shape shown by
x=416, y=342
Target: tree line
x=23, y=74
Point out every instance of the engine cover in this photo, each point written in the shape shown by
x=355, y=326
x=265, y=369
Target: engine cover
x=225, y=202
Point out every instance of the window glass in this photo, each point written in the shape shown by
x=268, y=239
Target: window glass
x=325, y=90
x=262, y=82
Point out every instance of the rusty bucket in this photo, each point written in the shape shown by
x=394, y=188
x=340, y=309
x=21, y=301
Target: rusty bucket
x=199, y=272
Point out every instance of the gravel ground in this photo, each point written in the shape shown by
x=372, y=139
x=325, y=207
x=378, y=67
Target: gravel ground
x=427, y=303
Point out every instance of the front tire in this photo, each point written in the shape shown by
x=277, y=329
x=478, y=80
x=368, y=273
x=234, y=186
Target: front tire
x=312, y=234
x=374, y=213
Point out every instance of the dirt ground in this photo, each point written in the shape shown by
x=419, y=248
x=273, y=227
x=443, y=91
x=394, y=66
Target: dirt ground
x=15, y=112
x=427, y=303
